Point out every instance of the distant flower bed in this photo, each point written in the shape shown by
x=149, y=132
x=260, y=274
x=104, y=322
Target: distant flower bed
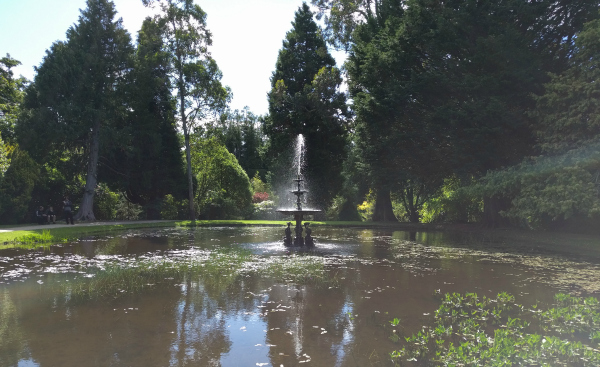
x=259, y=197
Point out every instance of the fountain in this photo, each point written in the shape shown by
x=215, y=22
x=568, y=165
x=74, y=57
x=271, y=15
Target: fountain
x=298, y=212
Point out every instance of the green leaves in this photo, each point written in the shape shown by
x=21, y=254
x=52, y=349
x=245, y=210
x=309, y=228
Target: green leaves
x=220, y=178
x=194, y=74
x=463, y=334
x=305, y=99
x=11, y=96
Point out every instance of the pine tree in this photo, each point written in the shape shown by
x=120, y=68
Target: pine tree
x=76, y=96
x=151, y=161
x=305, y=99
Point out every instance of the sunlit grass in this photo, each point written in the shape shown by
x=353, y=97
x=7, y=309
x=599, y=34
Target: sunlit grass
x=29, y=239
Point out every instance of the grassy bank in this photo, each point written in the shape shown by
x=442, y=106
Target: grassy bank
x=49, y=235
x=46, y=236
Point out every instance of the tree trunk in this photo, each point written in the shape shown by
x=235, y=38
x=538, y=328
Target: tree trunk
x=411, y=205
x=86, y=209
x=383, y=211
x=492, y=206
x=188, y=158
x=186, y=135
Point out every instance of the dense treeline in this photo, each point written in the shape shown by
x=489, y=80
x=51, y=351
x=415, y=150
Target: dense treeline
x=459, y=111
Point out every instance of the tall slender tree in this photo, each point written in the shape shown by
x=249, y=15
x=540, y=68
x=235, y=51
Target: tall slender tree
x=305, y=99
x=77, y=93
x=194, y=74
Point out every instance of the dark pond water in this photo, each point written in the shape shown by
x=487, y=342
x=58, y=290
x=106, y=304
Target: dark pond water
x=256, y=320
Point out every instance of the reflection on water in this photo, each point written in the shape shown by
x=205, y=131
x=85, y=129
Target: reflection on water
x=256, y=321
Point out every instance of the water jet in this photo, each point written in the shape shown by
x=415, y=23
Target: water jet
x=298, y=212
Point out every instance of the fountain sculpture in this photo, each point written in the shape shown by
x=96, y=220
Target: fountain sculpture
x=298, y=212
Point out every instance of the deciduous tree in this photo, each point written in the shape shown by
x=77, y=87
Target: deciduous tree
x=194, y=74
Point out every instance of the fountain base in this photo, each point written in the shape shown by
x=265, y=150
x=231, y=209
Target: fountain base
x=298, y=239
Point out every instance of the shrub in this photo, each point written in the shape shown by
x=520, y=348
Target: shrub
x=127, y=210
x=105, y=203
x=259, y=197
x=171, y=208
x=264, y=210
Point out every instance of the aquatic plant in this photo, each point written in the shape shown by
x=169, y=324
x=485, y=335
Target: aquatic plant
x=136, y=274
x=216, y=269
x=473, y=331
x=35, y=238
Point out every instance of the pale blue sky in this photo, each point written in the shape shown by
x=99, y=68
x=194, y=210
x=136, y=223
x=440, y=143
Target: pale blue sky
x=247, y=36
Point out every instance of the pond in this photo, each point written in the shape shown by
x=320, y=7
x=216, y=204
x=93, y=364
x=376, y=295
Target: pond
x=238, y=297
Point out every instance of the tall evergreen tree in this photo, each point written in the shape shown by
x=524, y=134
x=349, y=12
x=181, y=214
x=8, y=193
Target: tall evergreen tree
x=149, y=165
x=76, y=95
x=305, y=99
x=444, y=87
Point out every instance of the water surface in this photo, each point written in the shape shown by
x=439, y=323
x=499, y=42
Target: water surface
x=254, y=320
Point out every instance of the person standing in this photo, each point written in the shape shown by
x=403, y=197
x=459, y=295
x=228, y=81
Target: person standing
x=68, y=210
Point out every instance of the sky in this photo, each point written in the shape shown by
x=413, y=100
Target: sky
x=247, y=37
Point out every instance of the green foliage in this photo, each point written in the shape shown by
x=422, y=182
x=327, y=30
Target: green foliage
x=171, y=208
x=126, y=210
x=453, y=204
x=105, y=205
x=561, y=185
x=366, y=208
x=148, y=164
x=548, y=189
x=242, y=135
x=11, y=96
x=264, y=210
x=76, y=99
x=194, y=74
x=258, y=185
x=568, y=111
x=16, y=188
x=333, y=211
x=474, y=331
x=4, y=158
x=305, y=99
x=222, y=182
x=444, y=88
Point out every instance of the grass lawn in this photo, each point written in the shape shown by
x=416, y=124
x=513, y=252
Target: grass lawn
x=47, y=236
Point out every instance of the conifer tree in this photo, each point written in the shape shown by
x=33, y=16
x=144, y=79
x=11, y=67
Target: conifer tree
x=76, y=95
x=305, y=99
x=150, y=162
